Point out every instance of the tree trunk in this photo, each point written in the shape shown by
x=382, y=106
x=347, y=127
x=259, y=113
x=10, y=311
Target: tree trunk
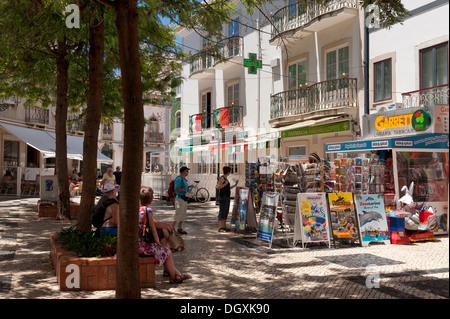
x=93, y=117
x=62, y=69
x=128, y=285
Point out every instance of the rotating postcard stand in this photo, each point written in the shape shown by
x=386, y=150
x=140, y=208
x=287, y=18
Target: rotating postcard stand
x=267, y=215
x=311, y=222
x=244, y=215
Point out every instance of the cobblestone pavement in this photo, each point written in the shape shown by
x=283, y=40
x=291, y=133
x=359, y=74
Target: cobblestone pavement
x=232, y=265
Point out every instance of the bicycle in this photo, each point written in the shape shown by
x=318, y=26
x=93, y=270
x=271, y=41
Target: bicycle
x=199, y=194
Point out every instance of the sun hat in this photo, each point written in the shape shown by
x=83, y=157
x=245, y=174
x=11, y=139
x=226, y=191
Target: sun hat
x=110, y=187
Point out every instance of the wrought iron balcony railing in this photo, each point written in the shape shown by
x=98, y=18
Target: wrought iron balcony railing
x=437, y=95
x=230, y=116
x=325, y=95
x=225, y=49
x=299, y=14
x=154, y=137
x=37, y=115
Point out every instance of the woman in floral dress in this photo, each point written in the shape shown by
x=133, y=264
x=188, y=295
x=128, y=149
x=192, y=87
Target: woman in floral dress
x=161, y=254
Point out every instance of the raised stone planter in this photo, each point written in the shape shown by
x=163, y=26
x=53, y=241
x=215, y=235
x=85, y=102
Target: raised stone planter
x=90, y=273
x=50, y=211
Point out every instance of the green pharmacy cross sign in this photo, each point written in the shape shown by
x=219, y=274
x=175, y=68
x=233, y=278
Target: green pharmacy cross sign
x=252, y=63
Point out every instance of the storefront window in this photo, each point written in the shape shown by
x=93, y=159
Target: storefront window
x=11, y=153
x=428, y=171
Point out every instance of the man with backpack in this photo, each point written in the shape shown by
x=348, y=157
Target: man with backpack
x=181, y=188
x=106, y=212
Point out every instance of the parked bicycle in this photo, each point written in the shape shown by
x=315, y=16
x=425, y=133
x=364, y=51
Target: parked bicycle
x=199, y=194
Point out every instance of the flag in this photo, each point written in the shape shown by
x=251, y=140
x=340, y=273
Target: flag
x=223, y=117
x=196, y=123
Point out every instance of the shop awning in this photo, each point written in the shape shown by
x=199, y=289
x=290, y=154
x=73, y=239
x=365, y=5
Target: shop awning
x=45, y=142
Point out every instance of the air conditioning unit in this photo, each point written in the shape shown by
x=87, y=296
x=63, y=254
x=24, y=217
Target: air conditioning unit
x=386, y=108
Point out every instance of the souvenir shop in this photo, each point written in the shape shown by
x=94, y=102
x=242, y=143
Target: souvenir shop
x=351, y=195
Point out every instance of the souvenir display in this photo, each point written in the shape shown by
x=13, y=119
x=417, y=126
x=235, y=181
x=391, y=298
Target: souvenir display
x=313, y=214
x=267, y=221
x=343, y=217
x=372, y=219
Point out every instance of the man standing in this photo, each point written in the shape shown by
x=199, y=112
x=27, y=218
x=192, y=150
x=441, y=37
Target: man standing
x=118, y=175
x=111, y=218
x=181, y=188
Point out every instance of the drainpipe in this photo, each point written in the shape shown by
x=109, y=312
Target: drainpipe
x=366, y=70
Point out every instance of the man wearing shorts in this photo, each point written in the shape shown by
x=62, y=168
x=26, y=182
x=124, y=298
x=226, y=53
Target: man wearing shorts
x=181, y=188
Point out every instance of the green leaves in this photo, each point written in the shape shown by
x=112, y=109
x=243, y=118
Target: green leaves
x=90, y=244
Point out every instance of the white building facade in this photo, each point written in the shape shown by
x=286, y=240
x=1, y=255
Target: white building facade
x=306, y=91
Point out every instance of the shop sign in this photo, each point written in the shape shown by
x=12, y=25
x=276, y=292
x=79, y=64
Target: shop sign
x=397, y=123
x=422, y=141
x=421, y=120
x=320, y=129
x=441, y=119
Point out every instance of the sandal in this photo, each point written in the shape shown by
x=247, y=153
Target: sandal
x=181, y=231
x=224, y=230
x=176, y=280
x=185, y=277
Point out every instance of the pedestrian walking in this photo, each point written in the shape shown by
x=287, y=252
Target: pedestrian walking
x=181, y=189
x=224, y=187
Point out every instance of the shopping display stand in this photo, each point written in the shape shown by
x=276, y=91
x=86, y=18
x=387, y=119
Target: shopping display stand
x=268, y=224
x=343, y=218
x=243, y=215
x=372, y=220
x=312, y=221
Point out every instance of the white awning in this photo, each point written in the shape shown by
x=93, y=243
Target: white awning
x=45, y=142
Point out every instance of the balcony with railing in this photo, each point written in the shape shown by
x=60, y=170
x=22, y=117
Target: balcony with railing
x=230, y=116
x=203, y=63
x=154, y=137
x=327, y=98
x=298, y=18
x=37, y=115
x=437, y=95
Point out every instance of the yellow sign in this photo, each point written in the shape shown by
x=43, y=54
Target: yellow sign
x=382, y=122
x=306, y=207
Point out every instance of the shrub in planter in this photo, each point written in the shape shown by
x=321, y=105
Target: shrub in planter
x=87, y=244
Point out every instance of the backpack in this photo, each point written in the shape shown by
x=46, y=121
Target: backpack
x=98, y=216
x=171, y=190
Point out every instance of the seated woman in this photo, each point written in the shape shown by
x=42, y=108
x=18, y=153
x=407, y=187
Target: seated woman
x=162, y=254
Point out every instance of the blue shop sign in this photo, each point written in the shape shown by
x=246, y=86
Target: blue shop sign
x=424, y=141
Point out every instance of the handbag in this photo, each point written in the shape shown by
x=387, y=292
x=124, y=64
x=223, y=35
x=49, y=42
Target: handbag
x=176, y=243
x=147, y=235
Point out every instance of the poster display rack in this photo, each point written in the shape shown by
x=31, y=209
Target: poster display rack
x=372, y=219
x=343, y=218
x=267, y=224
x=312, y=219
x=243, y=216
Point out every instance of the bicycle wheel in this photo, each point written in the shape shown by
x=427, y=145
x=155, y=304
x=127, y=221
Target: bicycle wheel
x=202, y=195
